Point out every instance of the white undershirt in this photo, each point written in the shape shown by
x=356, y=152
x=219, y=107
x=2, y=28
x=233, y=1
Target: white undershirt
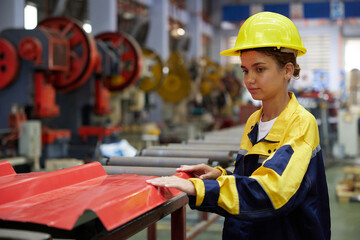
x=264, y=128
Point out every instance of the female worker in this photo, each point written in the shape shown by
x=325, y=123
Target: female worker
x=278, y=189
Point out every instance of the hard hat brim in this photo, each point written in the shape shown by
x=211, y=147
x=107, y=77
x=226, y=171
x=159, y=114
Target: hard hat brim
x=236, y=51
x=230, y=52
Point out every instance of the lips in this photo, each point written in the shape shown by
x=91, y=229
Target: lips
x=253, y=90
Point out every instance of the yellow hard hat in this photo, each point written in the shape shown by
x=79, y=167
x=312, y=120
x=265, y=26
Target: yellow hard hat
x=267, y=29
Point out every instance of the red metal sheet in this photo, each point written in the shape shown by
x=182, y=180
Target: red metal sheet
x=57, y=199
x=6, y=168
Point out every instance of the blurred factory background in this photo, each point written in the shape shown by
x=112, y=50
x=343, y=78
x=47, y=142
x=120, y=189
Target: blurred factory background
x=124, y=83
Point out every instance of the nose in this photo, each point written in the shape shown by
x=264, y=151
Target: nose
x=250, y=78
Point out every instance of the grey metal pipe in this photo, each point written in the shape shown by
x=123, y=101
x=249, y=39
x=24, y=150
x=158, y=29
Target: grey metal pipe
x=186, y=147
x=155, y=161
x=219, y=140
x=204, y=147
x=148, y=171
x=225, y=139
x=212, y=143
x=222, y=157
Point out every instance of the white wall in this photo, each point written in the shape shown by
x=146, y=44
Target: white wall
x=11, y=14
x=335, y=65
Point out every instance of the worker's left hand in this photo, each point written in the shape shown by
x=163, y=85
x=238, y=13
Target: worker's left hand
x=174, y=182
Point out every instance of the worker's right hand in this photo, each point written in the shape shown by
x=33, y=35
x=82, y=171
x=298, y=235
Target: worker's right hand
x=202, y=171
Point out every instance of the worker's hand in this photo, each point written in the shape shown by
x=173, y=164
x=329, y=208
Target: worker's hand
x=174, y=182
x=202, y=171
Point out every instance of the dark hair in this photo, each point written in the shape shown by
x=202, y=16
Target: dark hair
x=281, y=58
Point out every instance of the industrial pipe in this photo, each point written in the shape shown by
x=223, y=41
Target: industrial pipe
x=224, y=139
x=214, y=141
x=222, y=157
x=202, y=147
x=186, y=147
x=148, y=171
x=171, y=162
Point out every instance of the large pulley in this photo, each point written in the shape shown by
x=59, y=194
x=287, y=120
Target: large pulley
x=211, y=78
x=131, y=60
x=9, y=63
x=177, y=84
x=83, y=57
x=152, y=71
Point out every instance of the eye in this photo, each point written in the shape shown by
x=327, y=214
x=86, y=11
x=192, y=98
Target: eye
x=260, y=69
x=245, y=71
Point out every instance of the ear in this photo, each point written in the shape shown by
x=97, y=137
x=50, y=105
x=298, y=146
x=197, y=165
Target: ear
x=289, y=70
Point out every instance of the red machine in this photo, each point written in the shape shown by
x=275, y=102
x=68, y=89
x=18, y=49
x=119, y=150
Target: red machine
x=61, y=74
x=131, y=60
x=31, y=62
x=118, y=58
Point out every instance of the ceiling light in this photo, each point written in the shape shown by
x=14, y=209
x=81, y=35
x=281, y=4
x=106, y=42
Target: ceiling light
x=30, y=16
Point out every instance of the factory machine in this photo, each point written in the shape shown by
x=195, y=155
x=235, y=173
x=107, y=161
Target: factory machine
x=83, y=95
x=32, y=62
x=87, y=108
x=63, y=76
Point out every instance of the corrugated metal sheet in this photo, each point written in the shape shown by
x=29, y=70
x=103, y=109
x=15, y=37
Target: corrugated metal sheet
x=6, y=168
x=66, y=198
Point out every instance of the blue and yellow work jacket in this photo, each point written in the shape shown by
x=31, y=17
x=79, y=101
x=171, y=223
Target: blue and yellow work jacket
x=278, y=189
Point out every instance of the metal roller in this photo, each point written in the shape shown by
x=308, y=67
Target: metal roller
x=148, y=171
x=228, y=136
x=222, y=157
x=212, y=143
x=204, y=146
x=222, y=139
x=155, y=161
x=186, y=147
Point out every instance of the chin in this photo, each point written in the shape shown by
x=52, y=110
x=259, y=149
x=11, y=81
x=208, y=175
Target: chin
x=256, y=98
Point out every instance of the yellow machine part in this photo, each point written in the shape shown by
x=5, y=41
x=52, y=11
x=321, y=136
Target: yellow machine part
x=117, y=80
x=211, y=78
x=152, y=71
x=176, y=85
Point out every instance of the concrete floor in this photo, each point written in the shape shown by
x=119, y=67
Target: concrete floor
x=345, y=217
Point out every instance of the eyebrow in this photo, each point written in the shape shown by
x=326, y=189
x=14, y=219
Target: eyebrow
x=254, y=65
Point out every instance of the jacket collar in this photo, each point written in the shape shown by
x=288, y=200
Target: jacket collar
x=253, y=134
x=277, y=129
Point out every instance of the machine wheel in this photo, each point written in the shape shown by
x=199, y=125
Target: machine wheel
x=9, y=63
x=83, y=57
x=131, y=60
x=152, y=72
x=177, y=84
